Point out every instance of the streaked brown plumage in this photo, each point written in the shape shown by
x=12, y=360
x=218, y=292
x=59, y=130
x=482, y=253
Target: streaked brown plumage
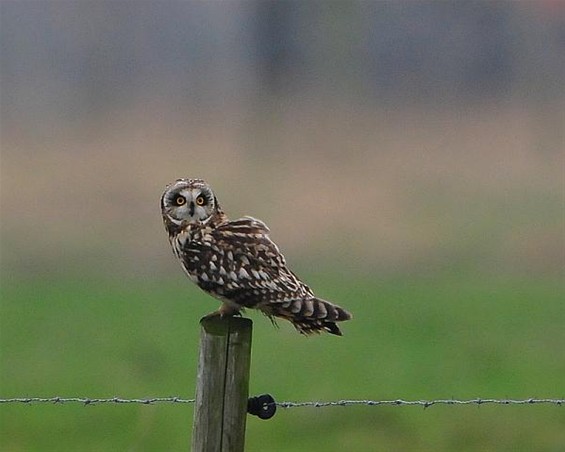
x=236, y=261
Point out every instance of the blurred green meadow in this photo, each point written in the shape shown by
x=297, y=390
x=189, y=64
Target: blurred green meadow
x=424, y=338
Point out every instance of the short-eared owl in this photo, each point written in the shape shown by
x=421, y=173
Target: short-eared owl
x=236, y=261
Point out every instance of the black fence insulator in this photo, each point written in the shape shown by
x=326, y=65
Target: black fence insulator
x=263, y=406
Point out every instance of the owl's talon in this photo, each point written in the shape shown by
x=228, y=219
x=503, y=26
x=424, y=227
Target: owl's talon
x=223, y=313
x=213, y=315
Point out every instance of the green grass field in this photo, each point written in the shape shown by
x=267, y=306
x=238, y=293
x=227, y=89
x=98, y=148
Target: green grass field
x=430, y=338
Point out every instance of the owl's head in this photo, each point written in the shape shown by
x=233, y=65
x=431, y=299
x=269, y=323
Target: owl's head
x=187, y=201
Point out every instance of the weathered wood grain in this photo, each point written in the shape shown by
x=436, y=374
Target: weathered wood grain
x=222, y=387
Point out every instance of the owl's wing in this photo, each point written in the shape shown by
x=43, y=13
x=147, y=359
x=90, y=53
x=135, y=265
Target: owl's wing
x=253, y=269
x=249, y=237
x=254, y=274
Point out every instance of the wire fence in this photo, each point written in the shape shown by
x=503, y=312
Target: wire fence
x=314, y=404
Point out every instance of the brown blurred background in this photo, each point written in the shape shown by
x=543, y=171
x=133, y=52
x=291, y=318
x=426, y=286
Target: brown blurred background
x=381, y=137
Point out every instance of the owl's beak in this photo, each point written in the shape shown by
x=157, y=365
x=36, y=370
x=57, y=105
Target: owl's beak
x=191, y=208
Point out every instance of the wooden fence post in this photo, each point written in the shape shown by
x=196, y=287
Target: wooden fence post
x=222, y=386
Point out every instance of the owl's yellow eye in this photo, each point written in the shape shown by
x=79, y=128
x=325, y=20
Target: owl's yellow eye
x=200, y=201
x=180, y=200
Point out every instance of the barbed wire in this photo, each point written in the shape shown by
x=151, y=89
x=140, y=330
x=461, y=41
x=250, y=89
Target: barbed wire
x=423, y=403
x=314, y=404
x=95, y=401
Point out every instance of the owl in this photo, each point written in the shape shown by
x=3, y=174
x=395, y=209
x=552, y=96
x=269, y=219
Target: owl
x=236, y=262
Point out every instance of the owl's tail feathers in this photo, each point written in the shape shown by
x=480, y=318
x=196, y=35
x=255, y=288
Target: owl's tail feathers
x=314, y=315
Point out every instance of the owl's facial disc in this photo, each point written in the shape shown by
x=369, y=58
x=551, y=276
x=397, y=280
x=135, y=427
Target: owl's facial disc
x=191, y=204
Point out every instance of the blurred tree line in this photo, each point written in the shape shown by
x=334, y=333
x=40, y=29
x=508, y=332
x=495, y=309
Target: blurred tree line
x=76, y=59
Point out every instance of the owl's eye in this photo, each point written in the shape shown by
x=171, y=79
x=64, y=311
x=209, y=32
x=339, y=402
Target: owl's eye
x=180, y=200
x=200, y=201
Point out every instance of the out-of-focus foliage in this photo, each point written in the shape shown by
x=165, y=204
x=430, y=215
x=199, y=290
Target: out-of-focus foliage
x=424, y=339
